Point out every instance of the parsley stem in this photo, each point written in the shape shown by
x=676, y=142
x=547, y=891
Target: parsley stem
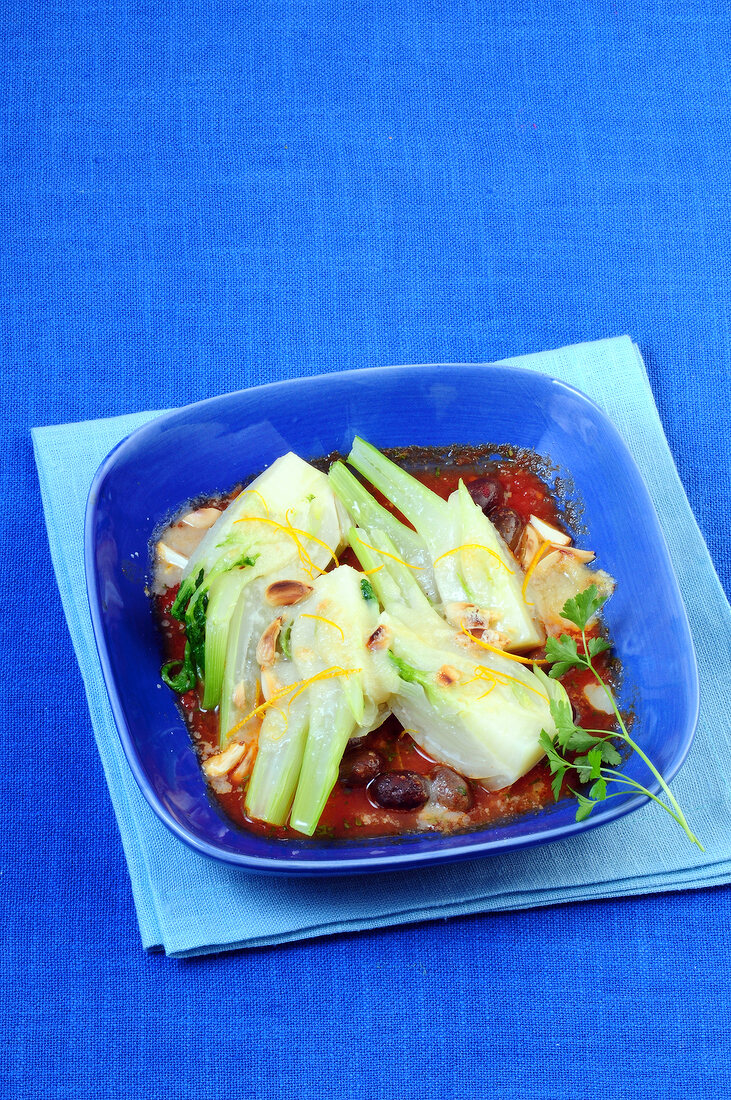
x=678, y=816
x=620, y=777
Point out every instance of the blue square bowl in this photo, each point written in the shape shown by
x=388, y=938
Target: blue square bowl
x=215, y=444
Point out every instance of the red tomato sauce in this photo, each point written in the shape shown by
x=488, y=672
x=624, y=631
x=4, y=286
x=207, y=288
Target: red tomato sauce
x=350, y=811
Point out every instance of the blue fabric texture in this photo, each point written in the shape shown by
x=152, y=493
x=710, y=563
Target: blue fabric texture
x=197, y=197
x=188, y=904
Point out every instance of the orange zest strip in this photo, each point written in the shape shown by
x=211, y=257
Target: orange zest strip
x=293, y=532
x=367, y=572
x=534, y=562
x=386, y=554
x=256, y=493
x=326, y=674
x=514, y=679
x=475, y=546
x=502, y=678
x=322, y=619
x=297, y=687
x=270, y=702
x=491, y=688
x=502, y=652
x=309, y=535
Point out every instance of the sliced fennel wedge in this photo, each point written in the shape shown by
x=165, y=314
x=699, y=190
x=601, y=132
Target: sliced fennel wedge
x=341, y=684
x=476, y=711
x=472, y=565
x=287, y=519
x=281, y=746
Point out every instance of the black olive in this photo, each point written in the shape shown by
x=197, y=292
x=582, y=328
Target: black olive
x=486, y=491
x=399, y=790
x=358, y=767
x=508, y=524
x=451, y=790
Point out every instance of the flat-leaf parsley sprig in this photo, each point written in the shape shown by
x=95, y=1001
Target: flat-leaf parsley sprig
x=598, y=759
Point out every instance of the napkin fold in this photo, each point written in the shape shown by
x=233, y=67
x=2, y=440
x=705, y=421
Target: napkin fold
x=189, y=905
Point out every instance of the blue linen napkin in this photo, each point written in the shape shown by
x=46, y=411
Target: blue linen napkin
x=190, y=905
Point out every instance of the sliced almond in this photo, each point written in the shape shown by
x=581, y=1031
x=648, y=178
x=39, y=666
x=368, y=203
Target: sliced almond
x=201, y=518
x=548, y=533
x=169, y=556
x=468, y=616
x=266, y=650
x=244, y=768
x=493, y=637
x=447, y=675
x=579, y=555
x=559, y=577
x=529, y=545
x=497, y=639
x=549, y=562
x=270, y=683
x=380, y=638
x=223, y=762
x=557, y=558
x=286, y=593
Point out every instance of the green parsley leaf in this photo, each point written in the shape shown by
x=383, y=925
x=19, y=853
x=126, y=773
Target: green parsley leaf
x=585, y=806
x=582, y=607
x=598, y=790
x=581, y=741
x=589, y=766
x=610, y=754
x=563, y=718
x=598, y=645
x=555, y=761
x=563, y=655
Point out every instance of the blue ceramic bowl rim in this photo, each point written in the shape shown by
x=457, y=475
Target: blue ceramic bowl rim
x=394, y=860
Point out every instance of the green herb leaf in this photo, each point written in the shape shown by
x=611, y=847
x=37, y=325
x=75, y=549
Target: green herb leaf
x=246, y=561
x=195, y=627
x=581, y=741
x=594, y=756
x=185, y=593
x=598, y=790
x=598, y=645
x=562, y=716
x=555, y=761
x=585, y=806
x=583, y=768
x=285, y=642
x=563, y=655
x=557, y=784
x=582, y=607
x=185, y=679
x=366, y=589
x=610, y=754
